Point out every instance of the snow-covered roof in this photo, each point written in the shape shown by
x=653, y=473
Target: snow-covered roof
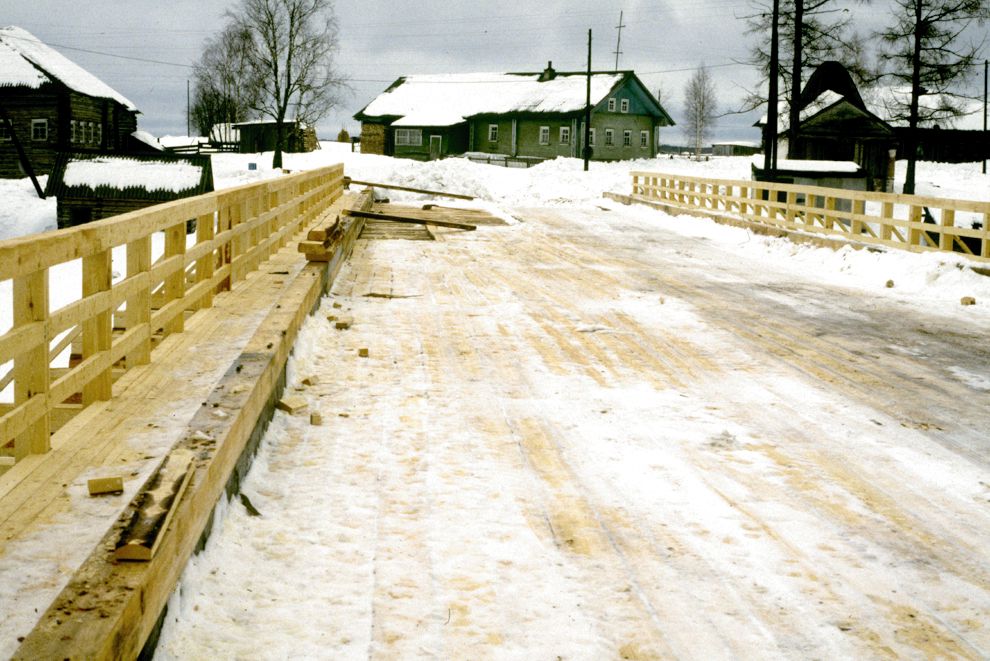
x=448, y=99
x=794, y=165
x=148, y=139
x=26, y=62
x=120, y=172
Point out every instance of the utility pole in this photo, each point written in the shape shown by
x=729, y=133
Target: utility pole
x=618, y=40
x=770, y=136
x=187, y=107
x=587, y=110
x=986, y=143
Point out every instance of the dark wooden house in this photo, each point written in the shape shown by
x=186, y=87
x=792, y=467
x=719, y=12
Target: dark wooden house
x=48, y=104
x=94, y=186
x=259, y=136
x=516, y=115
x=836, y=125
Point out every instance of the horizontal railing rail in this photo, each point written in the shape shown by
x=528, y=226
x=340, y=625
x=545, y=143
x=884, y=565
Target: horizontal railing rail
x=116, y=323
x=910, y=222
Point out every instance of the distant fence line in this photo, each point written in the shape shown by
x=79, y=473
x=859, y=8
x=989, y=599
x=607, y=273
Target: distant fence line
x=118, y=324
x=908, y=222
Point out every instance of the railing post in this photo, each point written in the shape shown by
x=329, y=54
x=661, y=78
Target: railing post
x=886, y=215
x=31, y=375
x=175, y=284
x=915, y=231
x=858, y=209
x=96, y=331
x=204, y=265
x=985, y=240
x=139, y=305
x=945, y=238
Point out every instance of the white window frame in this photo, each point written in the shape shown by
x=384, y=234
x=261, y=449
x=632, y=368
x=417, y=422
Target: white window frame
x=591, y=137
x=611, y=105
x=565, y=135
x=609, y=137
x=544, y=135
x=493, y=133
x=627, y=138
x=408, y=137
x=72, y=131
x=39, y=130
x=624, y=105
x=89, y=133
x=5, y=132
x=99, y=134
x=644, y=139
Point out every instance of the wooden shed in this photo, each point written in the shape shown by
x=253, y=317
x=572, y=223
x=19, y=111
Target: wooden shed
x=259, y=136
x=91, y=186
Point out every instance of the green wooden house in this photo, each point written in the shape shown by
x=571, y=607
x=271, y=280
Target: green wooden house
x=518, y=115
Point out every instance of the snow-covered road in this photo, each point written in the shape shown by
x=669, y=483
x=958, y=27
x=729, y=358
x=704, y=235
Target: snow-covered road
x=581, y=437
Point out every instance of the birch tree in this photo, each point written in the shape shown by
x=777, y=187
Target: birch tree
x=293, y=56
x=700, y=108
x=225, y=87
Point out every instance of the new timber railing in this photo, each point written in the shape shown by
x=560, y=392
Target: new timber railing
x=116, y=322
x=910, y=222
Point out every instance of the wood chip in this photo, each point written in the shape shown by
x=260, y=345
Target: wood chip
x=311, y=380
x=343, y=323
x=315, y=419
x=363, y=352
x=967, y=300
x=101, y=486
x=292, y=404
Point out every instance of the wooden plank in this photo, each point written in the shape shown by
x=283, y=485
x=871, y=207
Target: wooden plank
x=154, y=506
x=31, y=375
x=371, y=215
x=348, y=181
x=100, y=486
x=96, y=330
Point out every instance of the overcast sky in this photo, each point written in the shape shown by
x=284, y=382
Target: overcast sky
x=662, y=41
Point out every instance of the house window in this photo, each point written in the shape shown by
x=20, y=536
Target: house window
x=624, y=105
x=565, y=135
x=644, y=139
x=627, y=138
x=611, y=105
x=72, y=131
x=99, y=134
x=408, y=137
x=39, y=129
x=4, y=132
x=609, y=137
x=493, y=133
x=544, y=135
x=591, y=138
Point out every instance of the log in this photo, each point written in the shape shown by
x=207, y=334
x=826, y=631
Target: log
x=348, y=181
x=370, y=215
x=154, y=506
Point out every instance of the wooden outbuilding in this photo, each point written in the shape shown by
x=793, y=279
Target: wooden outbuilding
x=258, y=136
x=836, y=125
x=92, y=186
x=513, y=116
x=48, y=104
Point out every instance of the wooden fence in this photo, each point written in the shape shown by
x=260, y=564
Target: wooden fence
x=909, y=222
x=117, y=325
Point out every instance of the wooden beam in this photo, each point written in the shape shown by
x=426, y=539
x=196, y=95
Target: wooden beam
x=371, y=215
x=348, y=181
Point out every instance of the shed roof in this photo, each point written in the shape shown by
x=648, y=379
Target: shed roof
x=26, y=62
x=156, y=177
x=448, y=99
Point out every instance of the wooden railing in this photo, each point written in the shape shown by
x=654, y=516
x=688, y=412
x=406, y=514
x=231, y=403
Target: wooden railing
x=909, y=222
x=116, y=325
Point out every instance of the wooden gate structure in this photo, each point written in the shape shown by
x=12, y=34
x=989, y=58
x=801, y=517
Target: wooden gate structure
x=908, y=222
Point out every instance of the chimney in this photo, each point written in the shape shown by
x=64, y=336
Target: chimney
x=548, y=73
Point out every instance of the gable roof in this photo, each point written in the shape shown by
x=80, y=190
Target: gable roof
x=26, y=62
x=157, y=177
x=449, y=99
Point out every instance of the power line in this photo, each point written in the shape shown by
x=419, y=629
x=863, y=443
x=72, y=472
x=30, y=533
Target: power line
x=96, y=52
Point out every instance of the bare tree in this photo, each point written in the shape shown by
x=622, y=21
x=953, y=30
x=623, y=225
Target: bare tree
x=930, y=48
x=811, y=32
x=294, y=47
x=226, y=87
x=700, y=107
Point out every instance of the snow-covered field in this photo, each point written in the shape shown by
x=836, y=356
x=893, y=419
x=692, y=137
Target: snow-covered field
x=922, y=284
